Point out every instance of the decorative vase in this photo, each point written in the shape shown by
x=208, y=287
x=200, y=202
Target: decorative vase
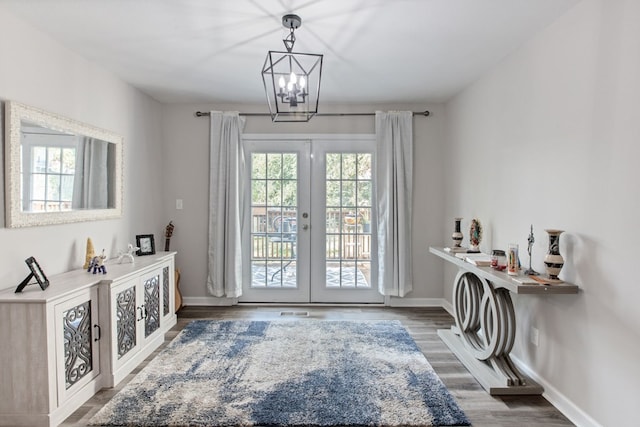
x=457, y=235
x=513, y=264
x=553, y=261
x=89, y=254
x=475, y=235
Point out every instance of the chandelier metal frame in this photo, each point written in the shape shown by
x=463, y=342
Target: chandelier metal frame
x=292, y=79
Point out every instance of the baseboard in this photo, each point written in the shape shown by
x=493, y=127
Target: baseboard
x=393, y=302
x=447, y=306
x=415, y=302
x=307, y=304
x=204, y=301
x=563, y=404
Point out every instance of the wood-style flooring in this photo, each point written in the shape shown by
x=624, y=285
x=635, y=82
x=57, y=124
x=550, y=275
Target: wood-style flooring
x=422, y=323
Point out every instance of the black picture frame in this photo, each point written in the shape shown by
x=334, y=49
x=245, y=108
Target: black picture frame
x=146, y=244
x=36, y=271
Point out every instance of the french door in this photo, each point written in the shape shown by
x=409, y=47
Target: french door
x=309, y=229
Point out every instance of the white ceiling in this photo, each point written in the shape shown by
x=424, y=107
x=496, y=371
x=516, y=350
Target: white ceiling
x=375, y=51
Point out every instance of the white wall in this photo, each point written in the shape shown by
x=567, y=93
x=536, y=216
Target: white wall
x=550, y=138
x=39, y=72
x=186, y=152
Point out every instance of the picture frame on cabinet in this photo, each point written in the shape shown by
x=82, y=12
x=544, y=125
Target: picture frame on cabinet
x=35, y=271
x=146, y=244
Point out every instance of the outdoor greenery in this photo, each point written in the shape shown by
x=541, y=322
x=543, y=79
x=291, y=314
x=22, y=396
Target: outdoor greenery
x=274, y=179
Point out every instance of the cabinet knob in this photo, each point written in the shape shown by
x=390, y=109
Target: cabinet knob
x=98, y=333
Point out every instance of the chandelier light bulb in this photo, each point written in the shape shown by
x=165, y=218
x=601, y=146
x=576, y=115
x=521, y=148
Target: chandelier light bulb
x=281, y=82
x=290, y=86
x=293, y=78
x=302, y=82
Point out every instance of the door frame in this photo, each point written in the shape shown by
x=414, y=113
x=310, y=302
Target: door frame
x=320, y=293
x=268, y=296
x=278, y=295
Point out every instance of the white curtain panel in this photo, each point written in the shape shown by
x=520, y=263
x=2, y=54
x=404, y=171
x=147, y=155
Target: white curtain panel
x=225, y=205
x=91, y=181
x=394, y=193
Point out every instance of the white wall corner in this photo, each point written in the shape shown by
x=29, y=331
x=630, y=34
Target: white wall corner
x=212, y=301
x=562, y=403
x=447, y=306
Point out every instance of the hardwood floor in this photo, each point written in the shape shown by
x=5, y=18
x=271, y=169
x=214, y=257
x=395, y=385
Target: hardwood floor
x=422, y=323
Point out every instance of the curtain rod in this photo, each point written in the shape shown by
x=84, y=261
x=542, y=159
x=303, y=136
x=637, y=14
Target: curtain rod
x=424, y=113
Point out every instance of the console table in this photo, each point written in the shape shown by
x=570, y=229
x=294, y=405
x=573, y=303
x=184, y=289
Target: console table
x=485, y=328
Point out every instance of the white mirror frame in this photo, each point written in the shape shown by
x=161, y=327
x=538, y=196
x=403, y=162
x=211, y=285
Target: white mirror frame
x=15, y=113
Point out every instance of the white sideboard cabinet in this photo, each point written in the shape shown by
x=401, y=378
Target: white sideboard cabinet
x=138, y=309
x=84, y=332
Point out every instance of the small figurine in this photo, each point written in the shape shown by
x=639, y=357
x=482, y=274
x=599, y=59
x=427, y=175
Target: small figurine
x=530, y=240
x=97, y=264
x=90, y=253
x=128, y=254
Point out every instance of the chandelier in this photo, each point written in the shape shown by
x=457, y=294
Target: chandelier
x=292, y=80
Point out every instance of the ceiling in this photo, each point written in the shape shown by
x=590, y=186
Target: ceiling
x=375, y=51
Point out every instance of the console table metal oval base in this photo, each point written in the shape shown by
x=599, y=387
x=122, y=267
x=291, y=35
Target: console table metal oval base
x=485, y=328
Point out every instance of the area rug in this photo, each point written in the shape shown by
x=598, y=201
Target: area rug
x=286, y=373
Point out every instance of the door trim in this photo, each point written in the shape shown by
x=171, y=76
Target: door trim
x=252, y=138
x=300, y=293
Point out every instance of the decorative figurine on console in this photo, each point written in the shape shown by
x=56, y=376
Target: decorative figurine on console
x=128, y=254
x=530, y=240
x=89, y=254
x=475, y=236
x=97, y=264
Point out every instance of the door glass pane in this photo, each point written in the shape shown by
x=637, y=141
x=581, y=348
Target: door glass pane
x=259, y=165
x=348, y=219
x=289, y=166
x=274, y=192
x=274, y=200
x=274, y=165
x=348, y=193
x=259, y=191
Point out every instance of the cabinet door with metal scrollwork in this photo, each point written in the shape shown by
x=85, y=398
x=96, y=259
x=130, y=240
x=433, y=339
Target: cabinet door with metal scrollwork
x=151, y=289
x=77, y=342
x=125, y=308
x=168, y=294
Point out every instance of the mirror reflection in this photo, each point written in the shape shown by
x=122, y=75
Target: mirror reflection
x=63, y=171
x=59, y=170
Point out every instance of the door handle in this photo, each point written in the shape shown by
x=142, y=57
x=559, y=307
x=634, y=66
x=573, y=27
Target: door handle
x=305, y=226
x=99, y=333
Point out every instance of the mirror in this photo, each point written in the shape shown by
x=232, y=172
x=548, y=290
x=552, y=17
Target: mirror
x=59, y=170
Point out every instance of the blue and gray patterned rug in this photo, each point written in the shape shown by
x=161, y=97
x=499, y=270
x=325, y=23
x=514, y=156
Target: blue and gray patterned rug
x=286, y=373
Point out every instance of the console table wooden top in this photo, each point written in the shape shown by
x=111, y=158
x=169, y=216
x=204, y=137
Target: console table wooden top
x=503, y=280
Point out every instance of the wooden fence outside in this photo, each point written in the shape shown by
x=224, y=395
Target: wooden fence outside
x=348, y=235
